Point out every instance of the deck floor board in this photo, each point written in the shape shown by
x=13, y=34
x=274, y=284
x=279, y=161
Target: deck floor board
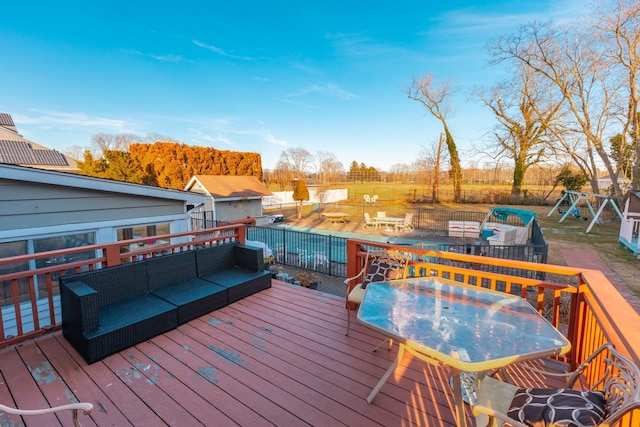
x=279, y=357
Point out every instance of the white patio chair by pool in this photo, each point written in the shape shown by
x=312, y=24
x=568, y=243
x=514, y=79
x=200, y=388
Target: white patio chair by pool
x=374, y=198
x=280, y=253
x=303, y=258
x=367, y=198
x=320, y=260
x=406, y=225
x=368, y=222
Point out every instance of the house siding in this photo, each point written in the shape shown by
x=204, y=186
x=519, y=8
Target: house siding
x=25, y=205
x=237, y=209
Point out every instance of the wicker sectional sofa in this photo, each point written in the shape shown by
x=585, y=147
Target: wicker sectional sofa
x=107, y=310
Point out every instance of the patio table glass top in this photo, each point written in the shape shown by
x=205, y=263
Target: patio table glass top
x=466, y=327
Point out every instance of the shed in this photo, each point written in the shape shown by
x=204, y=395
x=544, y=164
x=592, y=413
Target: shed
x=230, y=198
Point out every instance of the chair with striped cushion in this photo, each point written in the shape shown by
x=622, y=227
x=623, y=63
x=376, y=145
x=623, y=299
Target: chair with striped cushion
x=614, y=393
x=379, y=266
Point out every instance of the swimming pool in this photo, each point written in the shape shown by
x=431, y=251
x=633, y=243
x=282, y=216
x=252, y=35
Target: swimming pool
x=291, y=241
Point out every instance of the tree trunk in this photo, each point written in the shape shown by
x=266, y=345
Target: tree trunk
x=518, y=176
x=436, y=172
x=454, y=161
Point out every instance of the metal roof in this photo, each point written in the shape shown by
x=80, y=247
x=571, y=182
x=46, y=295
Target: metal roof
x=22, y=153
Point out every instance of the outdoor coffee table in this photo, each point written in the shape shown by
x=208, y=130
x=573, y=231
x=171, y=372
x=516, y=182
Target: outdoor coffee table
x=463, y=327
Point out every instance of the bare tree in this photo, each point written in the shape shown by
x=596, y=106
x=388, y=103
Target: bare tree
x=430, y=157
x=573, y=62
x=282, y=175
x=400, y=172
x=525, y=108
x=328, y=168
x=298, y=159
x=618, y=27
x=102, y=142
x=437, y=98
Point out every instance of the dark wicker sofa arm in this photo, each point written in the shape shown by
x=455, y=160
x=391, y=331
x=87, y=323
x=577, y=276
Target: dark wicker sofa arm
x=248, y=257
x=79, y=306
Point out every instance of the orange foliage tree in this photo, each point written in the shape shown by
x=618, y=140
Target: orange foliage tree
x=173, y=164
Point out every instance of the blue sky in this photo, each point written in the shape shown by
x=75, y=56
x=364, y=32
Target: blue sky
x=254, y=75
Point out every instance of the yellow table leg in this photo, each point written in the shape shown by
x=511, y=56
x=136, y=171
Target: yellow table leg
x=387, y=374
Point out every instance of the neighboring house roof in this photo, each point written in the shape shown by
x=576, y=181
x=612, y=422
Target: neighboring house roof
x=228, y=187
x=7, y=122
x=42, y=176
x=17, y=150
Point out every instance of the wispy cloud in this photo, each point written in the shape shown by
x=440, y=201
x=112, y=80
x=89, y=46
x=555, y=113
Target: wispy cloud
x=61, y=119
x=199, y=135
x=354, y=45
x=220, y=51
x=474, y=21
x=161, y=58
x=325, y=89
x=275, y=141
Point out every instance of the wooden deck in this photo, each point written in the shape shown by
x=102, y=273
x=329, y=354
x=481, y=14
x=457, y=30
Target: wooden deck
x=279, y=357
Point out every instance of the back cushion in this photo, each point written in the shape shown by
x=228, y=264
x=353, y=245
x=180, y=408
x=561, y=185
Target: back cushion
x=382, y=270
x=115, y=284
x=171, y=269
x=214, y=259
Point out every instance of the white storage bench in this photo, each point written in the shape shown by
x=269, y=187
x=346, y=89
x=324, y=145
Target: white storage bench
x=464, y=229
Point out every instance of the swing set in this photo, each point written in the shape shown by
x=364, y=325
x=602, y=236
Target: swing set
x=575, y=197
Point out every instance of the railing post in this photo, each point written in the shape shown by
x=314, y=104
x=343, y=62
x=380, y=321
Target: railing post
x=329, y=254
x=284, y=246
x=352, y=258
x=112, y=255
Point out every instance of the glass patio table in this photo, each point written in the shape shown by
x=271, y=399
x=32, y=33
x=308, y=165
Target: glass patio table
x=466, y=328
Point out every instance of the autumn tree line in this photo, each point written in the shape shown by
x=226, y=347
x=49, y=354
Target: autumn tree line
x=166, y=164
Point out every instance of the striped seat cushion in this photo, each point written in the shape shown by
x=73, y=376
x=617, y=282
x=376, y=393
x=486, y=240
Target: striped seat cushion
x=542, y=407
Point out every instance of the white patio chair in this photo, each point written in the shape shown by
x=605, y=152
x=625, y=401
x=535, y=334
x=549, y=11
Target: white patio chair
x=406, y=225
x=303, y=258
x=280, y=253
x=614, y=393
x=74, y=407
x=320, y=260
x=374, y=198
x=368, y=222
x=367, y=198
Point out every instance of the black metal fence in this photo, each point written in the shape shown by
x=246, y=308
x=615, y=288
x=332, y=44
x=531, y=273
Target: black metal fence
x=317, y=252
x=327, y=253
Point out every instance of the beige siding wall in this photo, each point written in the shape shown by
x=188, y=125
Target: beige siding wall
x=28, y=205
x=237, y=209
